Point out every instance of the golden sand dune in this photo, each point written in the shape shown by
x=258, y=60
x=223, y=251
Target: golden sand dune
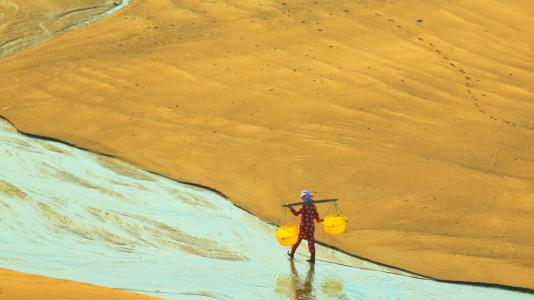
x=20, y=286
x=417, y=115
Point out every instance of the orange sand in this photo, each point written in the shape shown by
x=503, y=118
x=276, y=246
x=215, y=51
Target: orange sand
x=424, y=130
x=20, y=286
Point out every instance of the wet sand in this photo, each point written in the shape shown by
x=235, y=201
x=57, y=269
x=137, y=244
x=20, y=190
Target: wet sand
x=26, y=23
x=99, y=220
x=418, y=116
x=22, y=25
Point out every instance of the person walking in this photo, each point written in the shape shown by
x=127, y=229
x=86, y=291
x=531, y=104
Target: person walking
x=308, y=213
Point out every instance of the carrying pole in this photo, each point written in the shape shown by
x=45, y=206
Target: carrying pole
x=312, y=201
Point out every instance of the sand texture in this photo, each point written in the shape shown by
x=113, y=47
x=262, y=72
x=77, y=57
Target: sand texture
x=20, y=286
x=418, y=116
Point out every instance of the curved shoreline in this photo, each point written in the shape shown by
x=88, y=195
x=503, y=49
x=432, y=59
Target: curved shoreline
x=116, y=6
x=416, y=275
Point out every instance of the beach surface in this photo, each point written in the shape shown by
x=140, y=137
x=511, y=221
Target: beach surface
x=417, y=116
x=21, y=286
x=72, y=214
x=22, y=25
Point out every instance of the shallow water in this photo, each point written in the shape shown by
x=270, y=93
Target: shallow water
x=67, y=213
x=22, y=31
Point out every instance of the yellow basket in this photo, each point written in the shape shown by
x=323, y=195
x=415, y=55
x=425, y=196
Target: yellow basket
x=334, y=224
x=287, y=235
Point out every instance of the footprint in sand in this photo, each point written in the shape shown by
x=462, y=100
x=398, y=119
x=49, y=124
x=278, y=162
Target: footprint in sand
x=467, y=78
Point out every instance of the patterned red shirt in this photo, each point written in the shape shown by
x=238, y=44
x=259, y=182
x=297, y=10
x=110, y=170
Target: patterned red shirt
x=307, y=227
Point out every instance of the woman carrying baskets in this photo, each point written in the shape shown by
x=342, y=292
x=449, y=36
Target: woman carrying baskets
x=308, y=213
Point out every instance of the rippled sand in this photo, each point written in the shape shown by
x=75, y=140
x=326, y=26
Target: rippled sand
x=75, y=215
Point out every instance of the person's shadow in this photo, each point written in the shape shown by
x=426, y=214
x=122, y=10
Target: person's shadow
x=303, y=290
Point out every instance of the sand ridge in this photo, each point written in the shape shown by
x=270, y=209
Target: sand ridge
x=418, y=116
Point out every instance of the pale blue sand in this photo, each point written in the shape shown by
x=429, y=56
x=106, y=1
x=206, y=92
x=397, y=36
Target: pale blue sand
x=67, y=213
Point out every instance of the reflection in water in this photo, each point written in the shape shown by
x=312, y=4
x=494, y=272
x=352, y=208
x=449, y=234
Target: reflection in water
x=331, y=288
x=303, y=290
x=296, y=288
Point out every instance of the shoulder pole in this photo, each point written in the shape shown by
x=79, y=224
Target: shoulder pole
x=313, y=201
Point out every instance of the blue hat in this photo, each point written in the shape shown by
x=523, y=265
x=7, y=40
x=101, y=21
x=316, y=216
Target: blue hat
x=305, y=193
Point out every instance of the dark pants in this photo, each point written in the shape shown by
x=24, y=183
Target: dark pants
x=311, y=245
